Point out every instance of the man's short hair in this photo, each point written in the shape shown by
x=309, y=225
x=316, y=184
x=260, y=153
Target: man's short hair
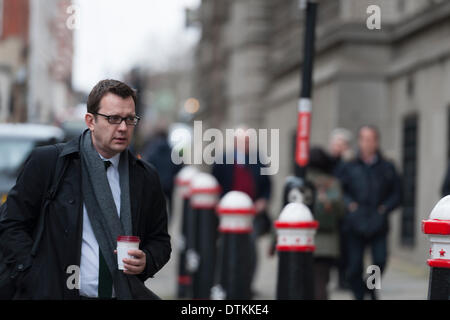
x=371, y=127
x=108, y=86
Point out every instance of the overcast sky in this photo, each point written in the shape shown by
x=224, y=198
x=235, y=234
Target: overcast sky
x=112, y=36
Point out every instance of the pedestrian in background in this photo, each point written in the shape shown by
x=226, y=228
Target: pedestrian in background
x=328, y=209
x=341, y=152
x=372, y=190
x=246, y=177
x=158, y=153
x=105, y=193
x=445, y=189
x=340, y=148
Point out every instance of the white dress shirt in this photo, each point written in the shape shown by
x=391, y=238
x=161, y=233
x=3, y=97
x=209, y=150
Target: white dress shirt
x=89, y=248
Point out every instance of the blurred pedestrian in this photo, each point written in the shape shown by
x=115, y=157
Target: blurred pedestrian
x=105, y=193
x=445, y=189
x=328, y=209
x=341, y=152
x=246, y=177
x=340, y=148
x=158, y=152
x=372, y=190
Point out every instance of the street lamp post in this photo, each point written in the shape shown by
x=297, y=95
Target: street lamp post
x=304, y=103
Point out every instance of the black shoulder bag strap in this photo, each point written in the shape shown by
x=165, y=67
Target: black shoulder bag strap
x=60, y=169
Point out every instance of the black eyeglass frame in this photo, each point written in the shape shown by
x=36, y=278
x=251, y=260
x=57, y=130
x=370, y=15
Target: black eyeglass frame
x=135, y=119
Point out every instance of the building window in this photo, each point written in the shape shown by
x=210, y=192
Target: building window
x=410, y=152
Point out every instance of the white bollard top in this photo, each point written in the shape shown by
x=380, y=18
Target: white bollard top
x=185, y=175
x=204, y=191
x=296, y=228
x=236, y=200
x=296, y=212
x=204, y=183
x=441, y=210
x=183, y=180
x=236, y=212
x=296, y=215
x=437, y=227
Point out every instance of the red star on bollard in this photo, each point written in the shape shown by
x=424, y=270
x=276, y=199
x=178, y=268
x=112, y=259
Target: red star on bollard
x=442, y=252
x=431, y=250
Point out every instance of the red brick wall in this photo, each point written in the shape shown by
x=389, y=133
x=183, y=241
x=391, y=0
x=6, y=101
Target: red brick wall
x=15, y=19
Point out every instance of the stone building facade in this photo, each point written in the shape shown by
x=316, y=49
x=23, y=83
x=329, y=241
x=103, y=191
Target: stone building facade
x=14, y=30
x=50, y=60
x=248, y=70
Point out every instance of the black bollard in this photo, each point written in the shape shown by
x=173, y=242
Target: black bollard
x=204, y=192
x=236, y=213
x=438, y=230
x=295, y=246
x=300, y=190
x=183, y=181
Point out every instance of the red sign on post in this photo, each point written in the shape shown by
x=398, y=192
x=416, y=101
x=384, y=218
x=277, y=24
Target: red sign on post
x=303, y=131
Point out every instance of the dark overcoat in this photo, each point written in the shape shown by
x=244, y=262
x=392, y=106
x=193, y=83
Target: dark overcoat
x=45, y=276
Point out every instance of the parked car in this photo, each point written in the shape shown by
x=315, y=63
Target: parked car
x=16, y=143
x=73, y=128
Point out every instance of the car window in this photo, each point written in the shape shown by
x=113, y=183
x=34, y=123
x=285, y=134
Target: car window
x=13, y=153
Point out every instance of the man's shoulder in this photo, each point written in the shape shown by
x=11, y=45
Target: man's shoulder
x=350, y=164
x=46, y=153
x=387, y=163
x=147, y=168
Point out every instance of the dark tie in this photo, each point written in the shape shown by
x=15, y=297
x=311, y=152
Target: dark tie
x=105, y=282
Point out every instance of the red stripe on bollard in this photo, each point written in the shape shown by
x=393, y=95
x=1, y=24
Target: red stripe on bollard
x=233, y=230
x=296, y=248
x=184, y=280
x=206, y=190
x=235, y=211
x=436, y=226
x=297, y=225
x=439, y=263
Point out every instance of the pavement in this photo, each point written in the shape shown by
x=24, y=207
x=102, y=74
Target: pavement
x=401, y=280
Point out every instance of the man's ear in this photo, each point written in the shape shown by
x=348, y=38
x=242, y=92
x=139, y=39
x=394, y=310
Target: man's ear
x=89, y=119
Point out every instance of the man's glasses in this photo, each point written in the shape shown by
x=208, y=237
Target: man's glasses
x=130, y=121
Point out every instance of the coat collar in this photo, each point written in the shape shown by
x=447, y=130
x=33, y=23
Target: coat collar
x=378, y=158
x=136, y=181
x=73, y=146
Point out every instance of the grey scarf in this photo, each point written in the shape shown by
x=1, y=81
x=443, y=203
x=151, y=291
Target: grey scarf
x=102, y=211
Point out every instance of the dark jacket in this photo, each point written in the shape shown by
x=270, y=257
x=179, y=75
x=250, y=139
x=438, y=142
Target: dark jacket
x=45, y=275
x=159, y=153
x=445, y=189
x=224, y=175
x=371, y=186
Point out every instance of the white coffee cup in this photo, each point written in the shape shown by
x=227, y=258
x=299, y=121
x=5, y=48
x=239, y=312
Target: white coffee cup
x=124, y=244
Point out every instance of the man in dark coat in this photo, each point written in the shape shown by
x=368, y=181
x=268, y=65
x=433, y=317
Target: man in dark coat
x=246, y=177
x=158, y=153
x=79, y=233
x=372, y=190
